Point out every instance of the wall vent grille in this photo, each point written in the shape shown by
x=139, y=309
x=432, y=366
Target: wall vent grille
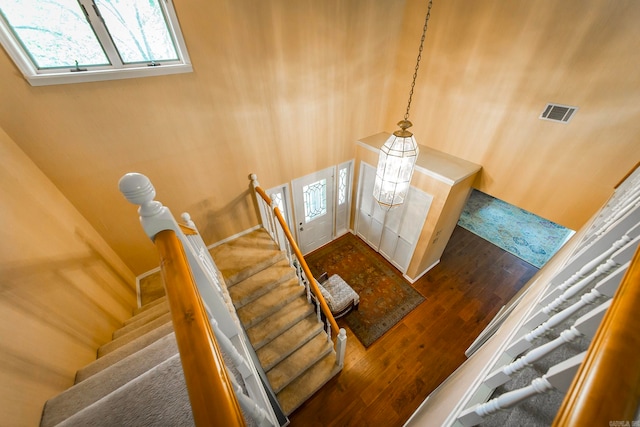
x=558, y=113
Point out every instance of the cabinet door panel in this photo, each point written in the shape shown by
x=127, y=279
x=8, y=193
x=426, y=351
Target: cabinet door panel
x=388, y=243
x=415, y=213
x=403, y=254
x=364, y=222
x=375, y=233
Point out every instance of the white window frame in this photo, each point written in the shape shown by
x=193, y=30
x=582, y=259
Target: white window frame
x=45, y=77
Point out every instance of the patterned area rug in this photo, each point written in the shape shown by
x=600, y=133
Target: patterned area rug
x=525, y=235
x=385, y=297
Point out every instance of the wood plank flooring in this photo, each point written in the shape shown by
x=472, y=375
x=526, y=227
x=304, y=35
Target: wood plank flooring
x=384, y=384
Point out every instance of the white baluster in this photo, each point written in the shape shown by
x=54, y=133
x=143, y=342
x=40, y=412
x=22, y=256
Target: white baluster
x=249, y=406
x=273, y=223
x=620, y=256
x=226, y=344
x=585, y=326
x=611, y=220
x=558, y=377
x=569, y=293
x=605, y=288
x=589, y=248
x=585, y=269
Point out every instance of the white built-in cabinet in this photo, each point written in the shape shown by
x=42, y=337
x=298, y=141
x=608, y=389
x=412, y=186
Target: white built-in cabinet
x=392, y=233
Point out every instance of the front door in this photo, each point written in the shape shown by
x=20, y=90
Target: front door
x=313, y=203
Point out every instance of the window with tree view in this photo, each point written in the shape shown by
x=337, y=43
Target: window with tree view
x=62, y=41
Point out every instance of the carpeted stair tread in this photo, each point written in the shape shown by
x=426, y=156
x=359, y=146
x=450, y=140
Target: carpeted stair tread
x=303, y=387
x=279, y=348
x=101, y=384
x=160, y=307
x=130, y=336
x=269, y=303
x=298, y=362
x=122, y=352
x=149, y=306
x=245, y=256
x=156, y=398
x=141, y=320
x=260, y=283
x=280, y=321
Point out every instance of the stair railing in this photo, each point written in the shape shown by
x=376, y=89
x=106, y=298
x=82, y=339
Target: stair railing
x=607, y=386
x=600, y=265
x=210, y=389
x=275, y=224
x=206, y=327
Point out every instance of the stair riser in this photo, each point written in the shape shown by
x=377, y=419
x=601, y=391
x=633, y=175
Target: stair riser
x=126, y=338
x=149, y=306
x=260, y=291
x=257, y=344
x=126, y=350
x=282, y=381
x=269, y=310
x=246, y=273
x=100, y=385
x=141, y=321
x=287, y=343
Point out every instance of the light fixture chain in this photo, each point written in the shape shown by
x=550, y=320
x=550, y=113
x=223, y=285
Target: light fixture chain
x=415, y=73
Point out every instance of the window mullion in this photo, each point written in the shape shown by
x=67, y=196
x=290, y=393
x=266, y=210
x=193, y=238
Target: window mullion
x=101, y=31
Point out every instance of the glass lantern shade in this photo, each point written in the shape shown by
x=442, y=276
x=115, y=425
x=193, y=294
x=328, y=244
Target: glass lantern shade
x=395, y=167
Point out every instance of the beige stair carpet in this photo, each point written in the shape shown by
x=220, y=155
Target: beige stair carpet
x=281, y=324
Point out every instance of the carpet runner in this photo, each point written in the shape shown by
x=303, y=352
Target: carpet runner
x=521, y=233
x=385, y=297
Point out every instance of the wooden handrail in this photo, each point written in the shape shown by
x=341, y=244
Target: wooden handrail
x=628, y=174
x=213, y=400
x=303, y=263
x=607, y=385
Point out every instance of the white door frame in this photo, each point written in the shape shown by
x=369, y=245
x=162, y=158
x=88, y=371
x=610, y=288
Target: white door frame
x=286, y=198
x=298, y=207
x=335, y=171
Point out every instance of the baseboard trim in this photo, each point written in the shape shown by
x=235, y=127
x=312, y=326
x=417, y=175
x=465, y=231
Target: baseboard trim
x=412, y=281
x=235, y=236
x=213, y=245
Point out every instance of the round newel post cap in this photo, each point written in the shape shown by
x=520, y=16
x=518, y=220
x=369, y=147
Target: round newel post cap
x=138, y=190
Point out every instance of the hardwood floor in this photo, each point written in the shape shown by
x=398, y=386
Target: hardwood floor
x=384, y=384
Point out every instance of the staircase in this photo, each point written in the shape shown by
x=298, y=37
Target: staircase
x=137, y=379
x=281, y=324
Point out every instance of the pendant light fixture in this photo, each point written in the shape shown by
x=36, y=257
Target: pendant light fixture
x=399, y=153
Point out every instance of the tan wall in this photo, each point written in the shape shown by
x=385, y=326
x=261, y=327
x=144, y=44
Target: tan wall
x=62, y=289
x=490, y=66
x=280, y=89
x=285, y=88
x=437, y=231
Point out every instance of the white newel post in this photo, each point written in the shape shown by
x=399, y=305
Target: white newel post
x=154, y=217
x=341, y=346
x=261, y=206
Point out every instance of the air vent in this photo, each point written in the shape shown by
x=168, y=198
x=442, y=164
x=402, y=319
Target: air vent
x=558, y=113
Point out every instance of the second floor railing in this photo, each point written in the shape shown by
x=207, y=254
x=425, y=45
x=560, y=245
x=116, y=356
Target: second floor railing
x=607, y=385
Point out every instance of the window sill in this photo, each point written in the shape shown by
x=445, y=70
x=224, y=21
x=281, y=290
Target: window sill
x=102, y=75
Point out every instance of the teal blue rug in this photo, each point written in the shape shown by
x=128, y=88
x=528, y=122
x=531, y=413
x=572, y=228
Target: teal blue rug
x=525, y=235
